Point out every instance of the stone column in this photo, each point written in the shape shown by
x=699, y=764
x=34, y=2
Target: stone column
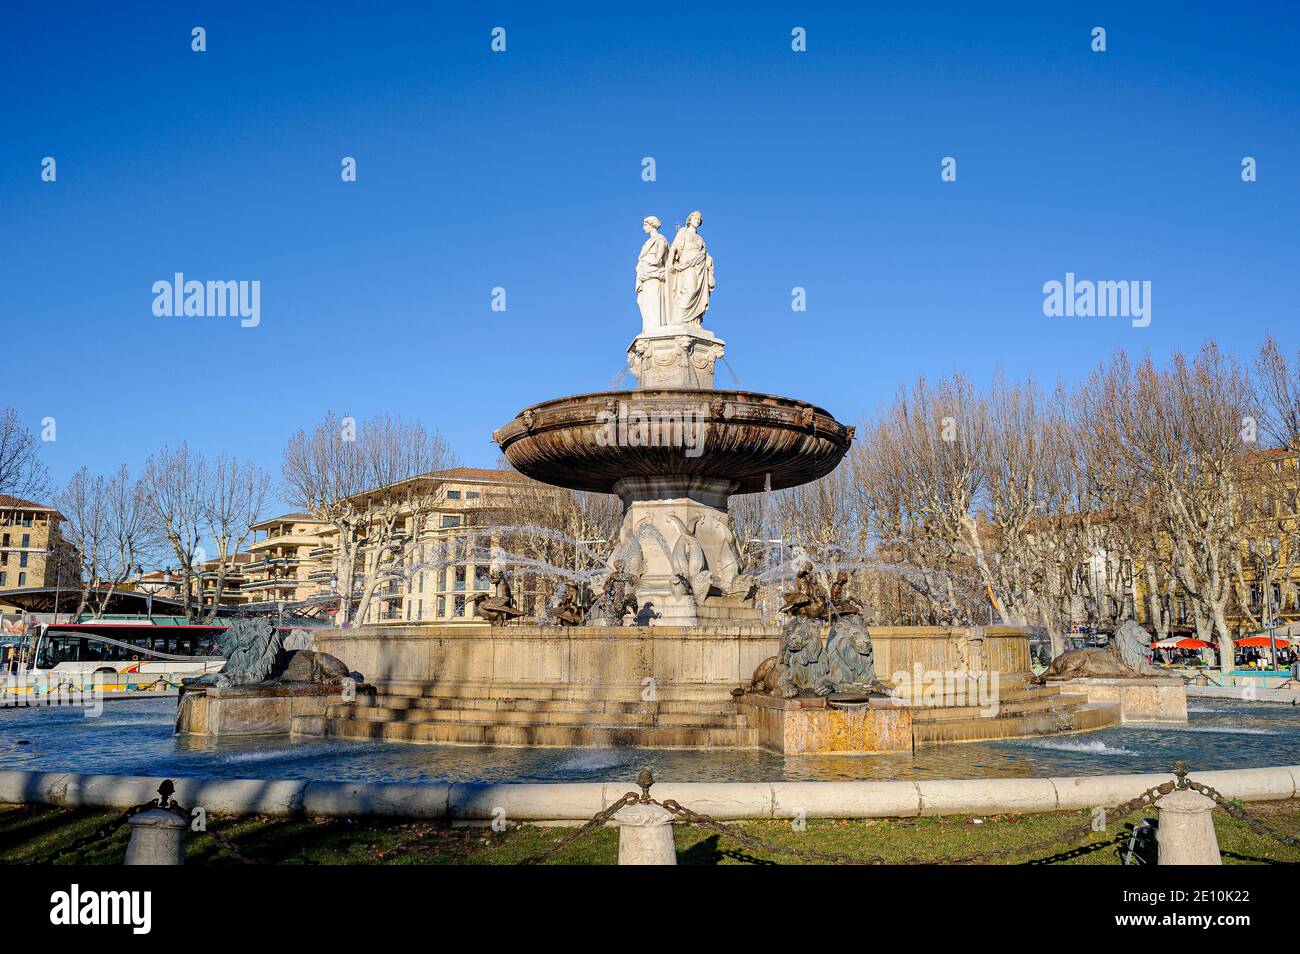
x=157, y=838
x=1185, y=834
x=650, y=505
x=645, y=836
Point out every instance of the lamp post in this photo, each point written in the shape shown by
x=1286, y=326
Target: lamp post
x=58, y=576
x=1262, y=555
x=153, y=587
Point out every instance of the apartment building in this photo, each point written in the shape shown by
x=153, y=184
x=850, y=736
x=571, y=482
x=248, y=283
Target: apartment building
x=33, y=554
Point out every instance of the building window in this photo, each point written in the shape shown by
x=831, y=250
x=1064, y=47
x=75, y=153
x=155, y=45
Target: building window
x=450, y=520
x=453, y=495
x=460, y=606
x=460, y=581
x=22, y=579
x=471, y=495
x=22, y=558
x=27, y=539
x=442, y=607
x=2, y=577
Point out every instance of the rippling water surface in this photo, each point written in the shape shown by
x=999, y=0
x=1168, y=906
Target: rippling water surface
x=134, y=737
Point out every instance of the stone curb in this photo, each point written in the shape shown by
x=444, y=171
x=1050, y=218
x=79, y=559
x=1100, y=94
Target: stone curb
x=578, y=801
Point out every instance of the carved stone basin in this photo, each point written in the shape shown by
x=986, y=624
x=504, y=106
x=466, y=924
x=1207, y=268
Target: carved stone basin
x=734, y=441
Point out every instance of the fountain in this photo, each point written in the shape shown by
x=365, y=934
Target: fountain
x=684, y=658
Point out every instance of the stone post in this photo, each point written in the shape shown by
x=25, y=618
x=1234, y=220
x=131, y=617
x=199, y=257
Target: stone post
x=645, y=836
x=1185, y=833
x=157, y=838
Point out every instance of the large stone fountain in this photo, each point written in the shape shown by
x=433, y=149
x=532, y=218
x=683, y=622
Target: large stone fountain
x=685, y=659
x=675, y=449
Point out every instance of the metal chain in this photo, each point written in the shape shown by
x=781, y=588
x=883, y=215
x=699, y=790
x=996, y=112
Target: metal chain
x=598, y=820
x=1236, y=811
x=645, y=780
x=1069, y=836
x=105, y=830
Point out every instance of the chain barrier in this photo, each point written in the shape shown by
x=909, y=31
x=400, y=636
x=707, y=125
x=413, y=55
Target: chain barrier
x=645, y=780
x=1068, y=837
x=108, y=829
x=1257, y=825
x=163, y=801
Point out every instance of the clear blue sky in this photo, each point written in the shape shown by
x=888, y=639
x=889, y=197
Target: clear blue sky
x=522, y=170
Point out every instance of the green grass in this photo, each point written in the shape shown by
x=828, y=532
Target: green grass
x=31, y=833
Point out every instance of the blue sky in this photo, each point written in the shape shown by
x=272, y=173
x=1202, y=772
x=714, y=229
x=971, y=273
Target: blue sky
x=523, y=170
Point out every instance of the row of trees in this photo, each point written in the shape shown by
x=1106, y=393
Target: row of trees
x=182, y=510
x=1047, y=506
x=178, y=506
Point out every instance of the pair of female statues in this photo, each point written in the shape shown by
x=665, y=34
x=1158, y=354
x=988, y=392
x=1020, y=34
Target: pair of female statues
x=673, y=282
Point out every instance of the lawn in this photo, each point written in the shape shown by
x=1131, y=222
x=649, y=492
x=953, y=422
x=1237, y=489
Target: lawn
x=31, y=833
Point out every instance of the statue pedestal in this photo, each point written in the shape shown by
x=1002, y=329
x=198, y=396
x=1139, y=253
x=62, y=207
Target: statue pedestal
x=809, y=725
x=1141, y=699
x=658, y=512
x=264, y=709
x=675, y=356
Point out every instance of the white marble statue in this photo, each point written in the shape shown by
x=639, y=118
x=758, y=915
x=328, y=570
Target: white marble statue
x=690, y=274
x=651, y=272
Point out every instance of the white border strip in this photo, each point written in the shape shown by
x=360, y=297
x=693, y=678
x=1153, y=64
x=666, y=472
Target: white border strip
x=577, y=801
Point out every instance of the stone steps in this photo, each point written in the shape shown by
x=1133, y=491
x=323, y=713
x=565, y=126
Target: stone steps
x=555, y=736
x=487, y=716
x=542, y=705
x=1070, y=717
x=587, y=694
x=1019, y=704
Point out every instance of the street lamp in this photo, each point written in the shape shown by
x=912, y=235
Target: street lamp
x=152, y=587
x=1263, y=556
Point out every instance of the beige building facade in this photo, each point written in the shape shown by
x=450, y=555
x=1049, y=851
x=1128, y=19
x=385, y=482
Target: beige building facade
x=33, y=553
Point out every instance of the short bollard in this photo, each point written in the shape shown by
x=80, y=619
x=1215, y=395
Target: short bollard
x=645, y=835
x=1185, y=833
x=157, y=838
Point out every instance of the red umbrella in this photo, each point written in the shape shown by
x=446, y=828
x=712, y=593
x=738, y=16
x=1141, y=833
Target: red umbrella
x=1186, y=642
x=1259, y=642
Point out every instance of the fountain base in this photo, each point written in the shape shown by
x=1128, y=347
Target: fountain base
x=674, y=687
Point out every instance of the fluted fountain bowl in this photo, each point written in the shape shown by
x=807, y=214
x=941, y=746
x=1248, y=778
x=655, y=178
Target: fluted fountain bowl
x=756, y=441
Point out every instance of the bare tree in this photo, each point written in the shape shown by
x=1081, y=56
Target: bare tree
x=176, y=488
x=328, y=472
x=1277, y=386
x=22, y=473
x=106, y=524
x=233, y=497
x=1178, y=430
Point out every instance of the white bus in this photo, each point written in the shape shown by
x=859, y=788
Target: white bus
x=121, y=657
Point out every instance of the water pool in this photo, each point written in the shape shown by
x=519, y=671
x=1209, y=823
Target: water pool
x=134, y=737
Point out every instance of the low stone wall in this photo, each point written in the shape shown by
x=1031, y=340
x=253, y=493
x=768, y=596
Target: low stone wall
x=578, y=801
x=1140, y=700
